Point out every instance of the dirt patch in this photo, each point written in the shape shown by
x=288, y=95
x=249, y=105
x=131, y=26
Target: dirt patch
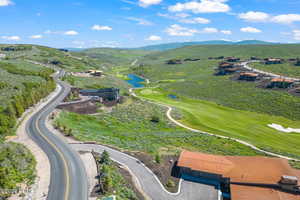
x=87, y=107
x=163, y=170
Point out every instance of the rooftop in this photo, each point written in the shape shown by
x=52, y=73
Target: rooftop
x=282, y=80
x=249, y=74
x=244, y=169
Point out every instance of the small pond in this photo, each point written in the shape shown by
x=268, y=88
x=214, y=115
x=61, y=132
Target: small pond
x=135, y=81
x=172, y=96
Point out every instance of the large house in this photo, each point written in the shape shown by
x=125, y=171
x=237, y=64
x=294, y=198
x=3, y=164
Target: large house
x=242, y=177
x=107, y=94
x=226, y=68
x=269, y=61
x=280, y=83
x=248, y=76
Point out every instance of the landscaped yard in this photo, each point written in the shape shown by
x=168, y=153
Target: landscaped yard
x=248, y=126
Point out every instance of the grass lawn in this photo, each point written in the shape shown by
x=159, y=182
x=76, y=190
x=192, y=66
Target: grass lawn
x=129, y=127
x=248, y=126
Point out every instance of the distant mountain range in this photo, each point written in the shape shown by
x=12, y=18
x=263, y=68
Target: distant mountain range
x=163, y=47
x=168, y=46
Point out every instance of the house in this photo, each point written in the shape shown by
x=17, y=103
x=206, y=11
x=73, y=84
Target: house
x=242, y=177
x=269, y=61
x=232, y=59
x=174, y=62
x=254, y=58
x=107, y=94
x=226, y=68
x=191, y=59
x=280, y=83
x=248, y=76
x=95, y=72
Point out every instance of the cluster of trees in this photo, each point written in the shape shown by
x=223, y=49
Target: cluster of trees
x=17, y=165
x=105, y=173
x=25, y=97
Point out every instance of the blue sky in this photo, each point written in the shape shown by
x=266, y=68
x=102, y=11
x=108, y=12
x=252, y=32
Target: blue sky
x=132, y=23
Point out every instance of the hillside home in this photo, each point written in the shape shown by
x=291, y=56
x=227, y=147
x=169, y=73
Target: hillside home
x=174, y=62
x=269, y=61
x=232, y=59
x=226, y=68
x=242, y=177
x=107, y=94
x=248, y=76
x=280, y=83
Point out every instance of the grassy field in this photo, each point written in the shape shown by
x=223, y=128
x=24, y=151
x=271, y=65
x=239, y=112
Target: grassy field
x=285, y=69
x=97, y=82
x=114, y=56
x=129, y=127
x=197, y=80
x=248, y=126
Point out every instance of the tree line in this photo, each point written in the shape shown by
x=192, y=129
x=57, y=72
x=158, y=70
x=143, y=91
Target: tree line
x=26, y=97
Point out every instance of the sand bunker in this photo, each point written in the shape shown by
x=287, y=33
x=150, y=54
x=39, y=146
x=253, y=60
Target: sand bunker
x=282, y=129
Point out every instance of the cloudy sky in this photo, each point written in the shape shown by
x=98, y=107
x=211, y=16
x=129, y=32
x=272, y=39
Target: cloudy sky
x=132, y=23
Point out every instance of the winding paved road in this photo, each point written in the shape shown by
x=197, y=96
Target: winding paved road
x=148, y=182
x=68, y=177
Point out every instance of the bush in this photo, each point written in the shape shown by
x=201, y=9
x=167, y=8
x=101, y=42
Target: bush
x=155, y=119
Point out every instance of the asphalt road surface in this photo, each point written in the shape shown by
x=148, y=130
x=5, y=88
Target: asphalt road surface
x=68, y=177
x=148, y=181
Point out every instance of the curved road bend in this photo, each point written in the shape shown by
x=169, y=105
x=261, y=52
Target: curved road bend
x=68, y=177
x=149, y=183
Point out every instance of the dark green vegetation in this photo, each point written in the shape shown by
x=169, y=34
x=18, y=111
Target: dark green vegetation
x=111, y=181
x=285, y=69
x=131, y=126
x=17, y=165
x=24, y=88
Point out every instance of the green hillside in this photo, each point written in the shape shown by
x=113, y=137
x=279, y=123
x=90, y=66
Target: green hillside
x=169, y=46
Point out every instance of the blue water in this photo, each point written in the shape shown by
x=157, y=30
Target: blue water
x=172, y=96
x=135, y=81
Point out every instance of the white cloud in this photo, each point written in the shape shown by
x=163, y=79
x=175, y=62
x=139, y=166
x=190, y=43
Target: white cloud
x=253, y=16
x=71, y=32
x=154, y=38
x=296, y=34
x=147, y=3
x=201, y=6
x=101, y=28
x=197, y=20
x=286, y=19
x=177, y=30
x=250, y=30
x=6, y=2
x=36, y=36
x=11, y=38
x=209, y=30
x=182, y=15
x=140, y=21
x=226, y=32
